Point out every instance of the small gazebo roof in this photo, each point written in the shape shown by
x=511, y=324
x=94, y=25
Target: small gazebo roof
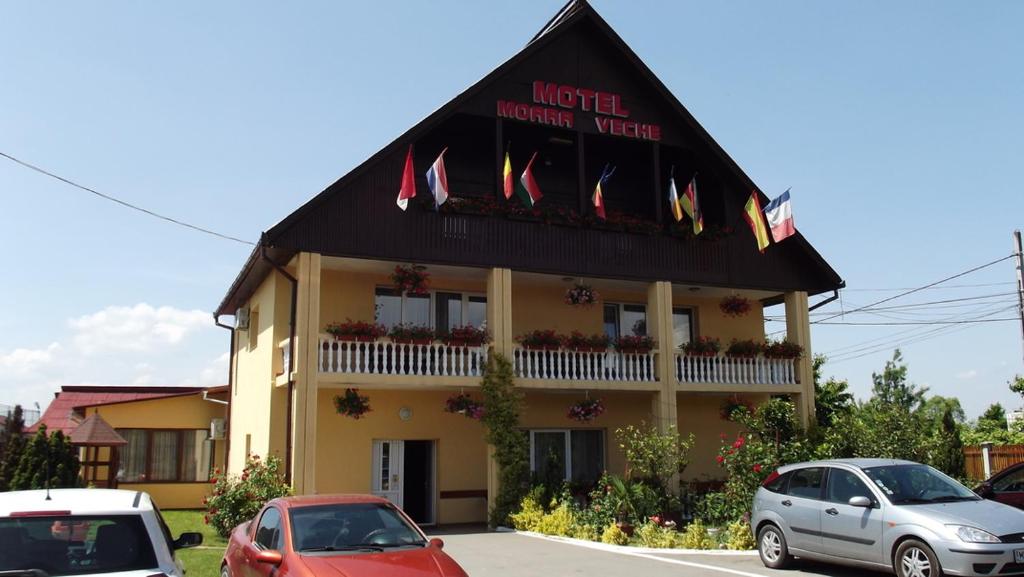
x=95, y=432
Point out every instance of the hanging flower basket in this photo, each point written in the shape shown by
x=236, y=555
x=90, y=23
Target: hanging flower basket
x=351, y=330
x=412, y=279
x=586, y=410
x=702, y=347
x=352, y=404
x=581, y=295
x=732, y=405
x=463, y=404
x=540, y=340
x=734, y=306
x=783, y=350
x=411, y=334
x=635, y=344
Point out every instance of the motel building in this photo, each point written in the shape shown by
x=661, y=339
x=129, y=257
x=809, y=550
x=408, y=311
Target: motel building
x=581, y=100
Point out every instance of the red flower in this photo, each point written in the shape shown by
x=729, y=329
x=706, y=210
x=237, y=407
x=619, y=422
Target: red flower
x=757, y=467
x=720, y=459
x=723, y=436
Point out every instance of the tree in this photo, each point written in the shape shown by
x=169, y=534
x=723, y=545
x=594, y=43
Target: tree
x=891, y=387
x=947, y=447
x=1016, y=384
x=12, y=444
x=48, y=461
x=832, y=400
x=994, y=418
x=502, y=403
x=893, y=423
x=935, y=407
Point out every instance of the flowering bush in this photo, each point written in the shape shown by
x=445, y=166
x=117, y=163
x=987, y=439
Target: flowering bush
x=734, y=306
x=581, y=295
x=404, y=333
x=702, y=346
x=746, y=348
x=581, y=342
x=411, y=279
x=352, y=404
x=356, y=329
x=463, y=404
x=586, y=410
x=466, y=335
x=635, y=343
x=238, y=499
x=540, y=339
x=783, y=350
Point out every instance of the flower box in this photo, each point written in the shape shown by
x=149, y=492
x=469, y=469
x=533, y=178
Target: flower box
x=407, y=341
x=360, y=331
x=355, y=338
x=635, y=344
x=541, y=340
x=466, y=336
x=744, y=349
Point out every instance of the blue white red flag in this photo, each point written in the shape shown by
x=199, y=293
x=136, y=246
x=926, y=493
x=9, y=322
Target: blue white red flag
x=437, y=180
x=779, y=214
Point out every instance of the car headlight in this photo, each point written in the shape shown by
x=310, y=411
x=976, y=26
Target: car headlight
x=973, y=534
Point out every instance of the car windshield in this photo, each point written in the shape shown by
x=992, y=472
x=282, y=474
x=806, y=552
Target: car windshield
x=73, y=545
x=914, y=484
x=351, y=527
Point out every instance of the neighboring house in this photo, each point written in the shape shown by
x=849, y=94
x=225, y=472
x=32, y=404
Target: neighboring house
x=581, y=99
x=155, y=439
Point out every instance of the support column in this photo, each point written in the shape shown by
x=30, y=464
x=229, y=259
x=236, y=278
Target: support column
x=499, y=325
x=659, y=326
x=304, y=403
x=798, y=330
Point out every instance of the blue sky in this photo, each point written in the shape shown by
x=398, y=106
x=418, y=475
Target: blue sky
x=898, y=127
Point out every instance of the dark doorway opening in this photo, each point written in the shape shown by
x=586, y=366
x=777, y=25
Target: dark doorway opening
x=418, y=489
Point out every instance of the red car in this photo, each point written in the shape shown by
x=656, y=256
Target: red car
x=341, y=535
x=1006, y=486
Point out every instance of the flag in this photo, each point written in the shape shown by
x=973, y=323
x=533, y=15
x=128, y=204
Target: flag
x=779, y=213
x=673, y=199
x=408, y=189
x=598, y=197
x=437, y=180
x=753, y=216
x=528, y=190
x=507, y=176
x=692, y=207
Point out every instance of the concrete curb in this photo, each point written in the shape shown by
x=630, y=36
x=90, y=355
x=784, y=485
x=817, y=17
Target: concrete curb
x=625, y=549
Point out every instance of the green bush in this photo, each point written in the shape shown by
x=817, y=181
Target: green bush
x=613, y=535
x=738, y=536
x=696, y=536
x=529, y=515
x=502, y=403
x=652, y=535
x=46, y=461
x=238, y=499
x=560, y=522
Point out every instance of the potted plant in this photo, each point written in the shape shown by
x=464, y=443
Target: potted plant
x=702, y=347
x=463, y=404
x=413, y=279
x=540, y=340
x=411, y=334
x=466, y=336
x=352, y=404
x=581, y=295
x=351, y=330
x=745, y=348
x=783, y=350
x=635, y=344
x=586, y=410
x=599, y=342
x=734, y=306
x=733, y=404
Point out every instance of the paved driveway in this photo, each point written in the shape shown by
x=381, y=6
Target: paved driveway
x=485, y=554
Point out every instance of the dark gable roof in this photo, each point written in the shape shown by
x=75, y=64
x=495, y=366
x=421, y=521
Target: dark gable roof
x=574, y=12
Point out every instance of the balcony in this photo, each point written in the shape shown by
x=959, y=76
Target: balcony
x=584, y=368
x=696, y=372
x=384, y=357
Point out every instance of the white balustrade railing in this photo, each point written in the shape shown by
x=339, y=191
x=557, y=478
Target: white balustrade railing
x=388, y=358
x=583, y=365
x=735, y=370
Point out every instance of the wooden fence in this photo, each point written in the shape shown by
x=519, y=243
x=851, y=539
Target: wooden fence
x=1000, y=457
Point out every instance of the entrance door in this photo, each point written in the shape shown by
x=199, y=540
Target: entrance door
x=387, y=470
x=418, y=487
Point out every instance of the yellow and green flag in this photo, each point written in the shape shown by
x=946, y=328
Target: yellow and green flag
x=752, y=214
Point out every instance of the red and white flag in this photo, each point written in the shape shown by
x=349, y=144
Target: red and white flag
x=408, y=189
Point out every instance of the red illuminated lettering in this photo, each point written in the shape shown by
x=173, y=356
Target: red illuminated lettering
x=603, y=103
x=567, y=96
x=617, y=108
x=585, y=96
x=545, y=92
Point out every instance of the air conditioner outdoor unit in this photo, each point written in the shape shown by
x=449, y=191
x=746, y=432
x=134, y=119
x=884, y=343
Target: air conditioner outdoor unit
x=242, y=319
x=217, y=429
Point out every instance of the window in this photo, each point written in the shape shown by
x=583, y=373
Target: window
x=75, y=545
x=778, y=484
x=254, y=329
x=844, y=485
x=1012, y=483
x=682, y=326
x=439, y=310
x=268, y=532
x=572, y=455
x=154, y=455
x=620, y=319
x=805, y=483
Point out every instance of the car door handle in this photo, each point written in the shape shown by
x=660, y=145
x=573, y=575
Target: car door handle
x=832, y=511
x=787, y=503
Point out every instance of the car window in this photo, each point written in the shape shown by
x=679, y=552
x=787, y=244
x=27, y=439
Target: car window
x=76, y=545
x=844, y=485
x=342, y=525
x=914, y=484
x=778, y=484
x=268, y=531
x=806, y=483
x=1012, y=483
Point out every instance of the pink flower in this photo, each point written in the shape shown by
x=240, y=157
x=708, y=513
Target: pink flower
x=720, y=459
x=757, y=467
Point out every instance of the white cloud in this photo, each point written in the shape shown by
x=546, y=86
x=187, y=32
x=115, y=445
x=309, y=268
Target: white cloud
x=216, y=373
x=26, y=361
x=138, y=328
x=967, y=375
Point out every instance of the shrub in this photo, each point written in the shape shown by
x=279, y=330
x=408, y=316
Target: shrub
x=613, y=535
x=511, y=448
x=560, y=522
x=715, y=509
x=652, y=456
x=652, y=535
x=46, y=461
x=739, y=537
x=530, y=514
x=238, y=499
x=696, y=536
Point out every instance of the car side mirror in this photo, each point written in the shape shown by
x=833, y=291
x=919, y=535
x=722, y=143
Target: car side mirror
x=186, y=540
x=985, y=490
x=859, y=501
x=269, y=556
x=435, y=542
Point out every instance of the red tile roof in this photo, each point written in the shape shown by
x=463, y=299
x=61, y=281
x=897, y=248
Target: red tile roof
x=94, y=431
x=65, y=414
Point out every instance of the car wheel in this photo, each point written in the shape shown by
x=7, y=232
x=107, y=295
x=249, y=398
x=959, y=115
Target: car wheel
x=771, y=546
x=224, y=571
x=915, y=559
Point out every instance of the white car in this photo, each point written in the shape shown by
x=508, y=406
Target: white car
x=85, y=532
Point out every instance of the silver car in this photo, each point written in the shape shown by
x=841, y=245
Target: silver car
x=885, y=514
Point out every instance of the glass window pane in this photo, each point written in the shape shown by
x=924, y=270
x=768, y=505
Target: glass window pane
x=268, y=532
x=611, y=321
x=587, y=449
x=196, y=455
x=549, y=454
x=387, y=307
x=417, y=310
x=844, y=485
x=806, y=483
x=132, y=457
x=682, y=331
x=634, y=319
x=447, y=310
x=164, y=465
x=476, y=312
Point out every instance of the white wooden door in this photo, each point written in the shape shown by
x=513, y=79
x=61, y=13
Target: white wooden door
x=387, y=470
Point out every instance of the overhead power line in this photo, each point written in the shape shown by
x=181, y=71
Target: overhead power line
x=948, y=286
x=124, y=203
x=905, y=323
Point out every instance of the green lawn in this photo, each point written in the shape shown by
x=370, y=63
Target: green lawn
x=203, y=561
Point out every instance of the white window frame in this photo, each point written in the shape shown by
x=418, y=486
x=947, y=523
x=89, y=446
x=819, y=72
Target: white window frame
x=433, y=303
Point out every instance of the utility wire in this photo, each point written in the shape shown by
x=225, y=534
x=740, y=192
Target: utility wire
x=123, y=203
x=951, y=286
x=930, y=323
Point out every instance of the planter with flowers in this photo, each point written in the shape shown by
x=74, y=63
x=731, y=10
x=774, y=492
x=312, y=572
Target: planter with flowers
x=413, y=279
x=586, y=410
x=635, y=344
x=702, y=347
x=744, y=349
x=360, y=331
x=783, y=350
x=352, y=404
x=466, y=336
x=577, y=341
x=463, y=404
x=405, y=334
x=734, y=306
x=581, y=295
x=540, y=340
